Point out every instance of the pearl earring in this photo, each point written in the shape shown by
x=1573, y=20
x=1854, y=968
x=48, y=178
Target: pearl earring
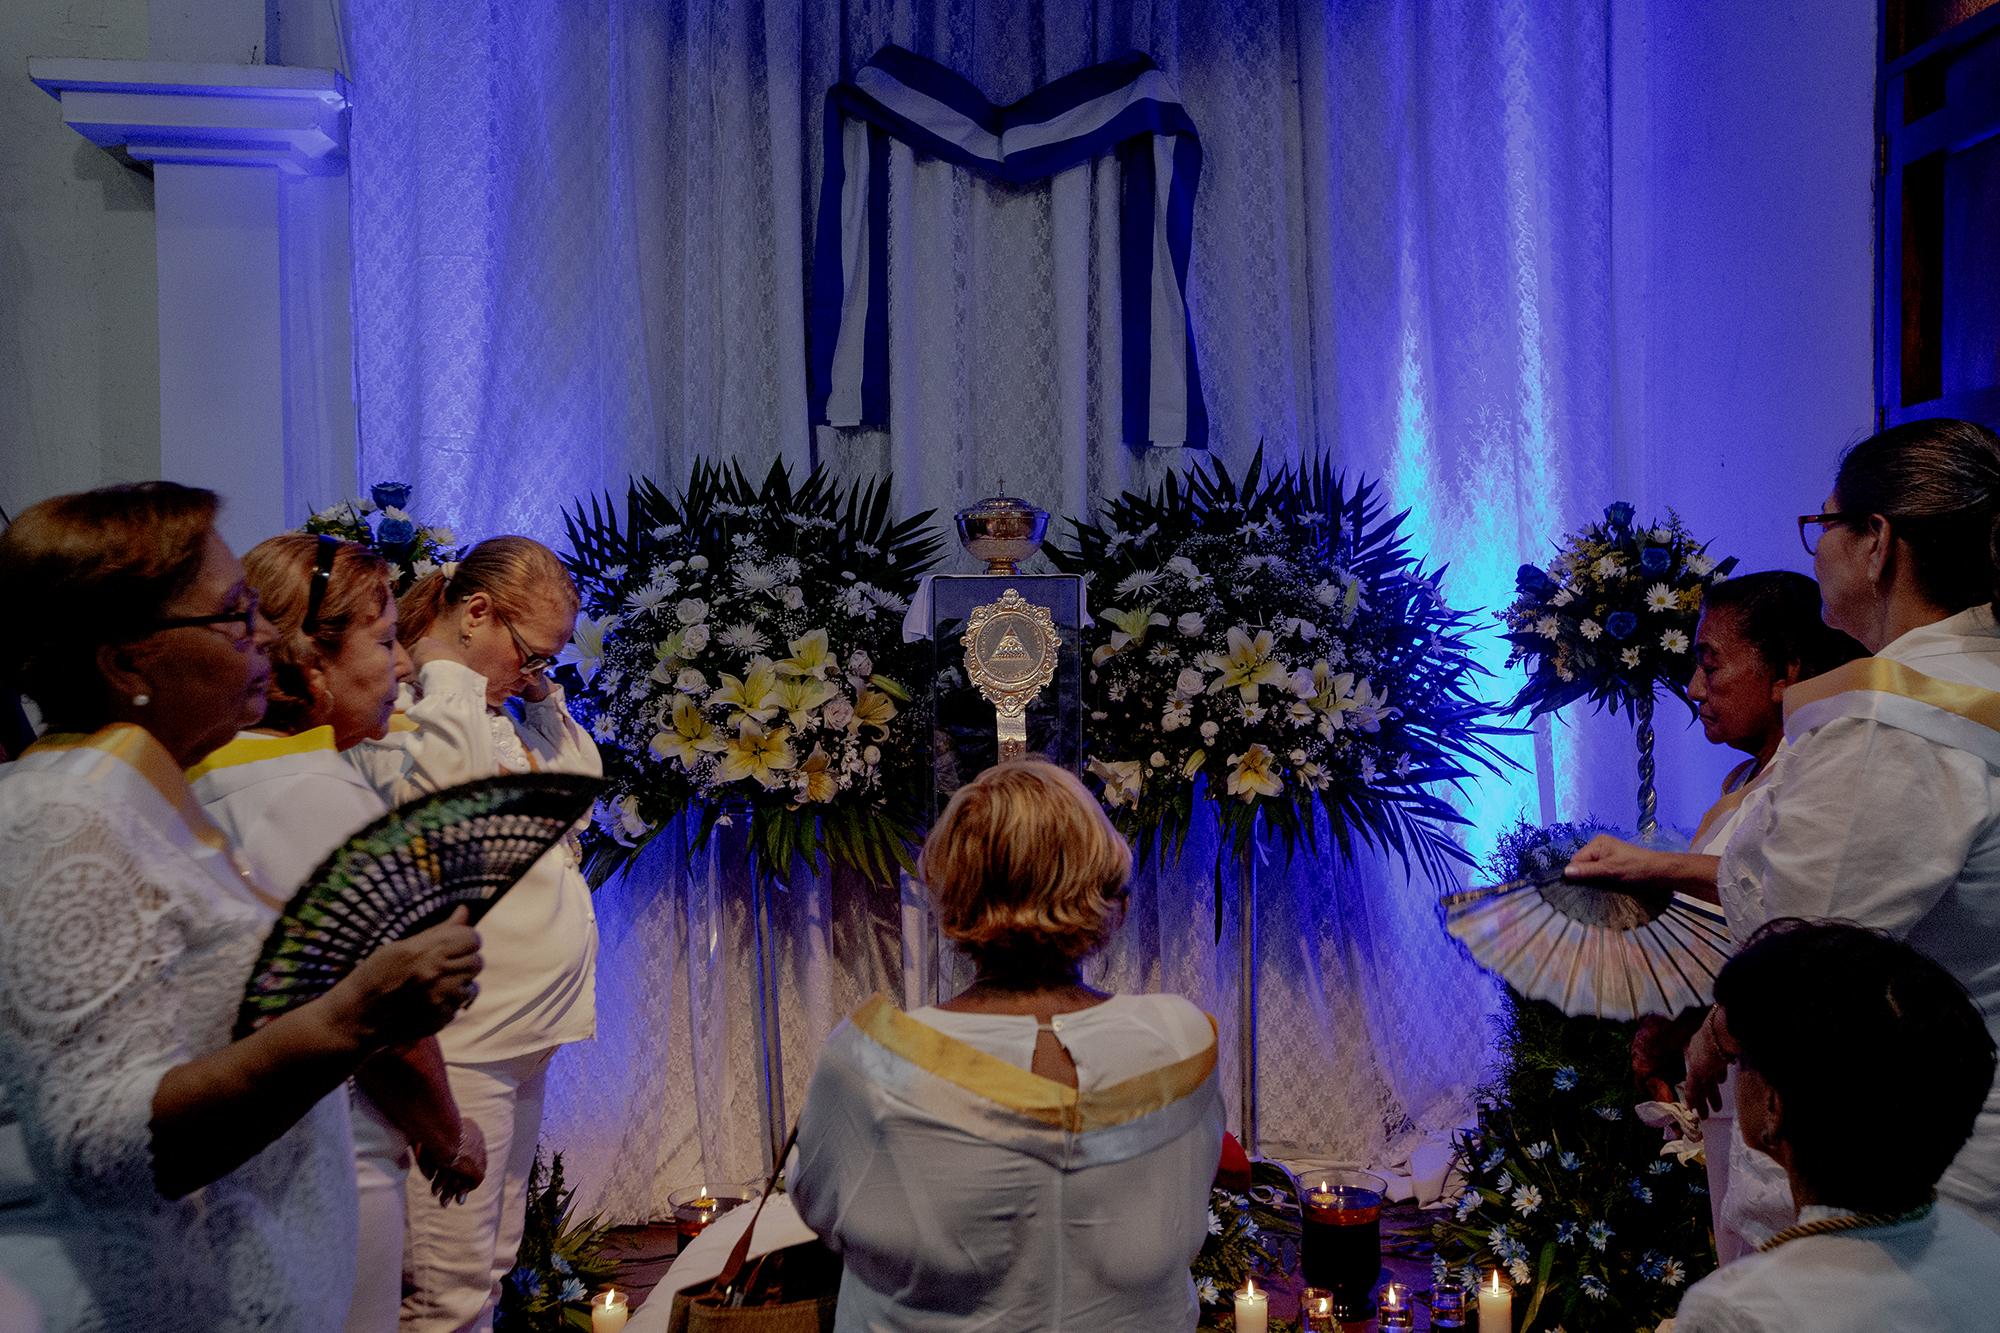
x=141, y=700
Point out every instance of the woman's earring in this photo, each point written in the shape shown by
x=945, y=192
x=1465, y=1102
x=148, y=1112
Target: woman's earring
x=141, y=700
x=465, y=638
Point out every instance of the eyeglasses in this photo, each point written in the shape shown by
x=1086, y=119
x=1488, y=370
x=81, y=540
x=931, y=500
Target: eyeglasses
x=532, y=662
x=244, y=617
x=1813, y=526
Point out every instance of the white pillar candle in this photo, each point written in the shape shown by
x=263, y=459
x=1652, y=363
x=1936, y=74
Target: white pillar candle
x=1253, y=1309
x=608, y=1312
x=1496, y=1304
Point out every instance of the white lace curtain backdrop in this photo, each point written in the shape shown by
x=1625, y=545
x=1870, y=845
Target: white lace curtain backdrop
x=582, y=238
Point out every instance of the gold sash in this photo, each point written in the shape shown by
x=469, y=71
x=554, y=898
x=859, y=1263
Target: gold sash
x=1881, y=675
x=255, y=747
x=1054, y=1104
x=134, y=747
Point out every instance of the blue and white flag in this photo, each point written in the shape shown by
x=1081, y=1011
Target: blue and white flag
x=1123, y=106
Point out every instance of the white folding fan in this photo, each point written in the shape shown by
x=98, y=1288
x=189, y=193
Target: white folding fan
x=1607, y=952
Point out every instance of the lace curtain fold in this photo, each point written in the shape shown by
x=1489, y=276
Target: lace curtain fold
x=582, y=247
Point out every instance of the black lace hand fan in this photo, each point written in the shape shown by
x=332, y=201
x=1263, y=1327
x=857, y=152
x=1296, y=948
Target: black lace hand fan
x=406, y=872
x=1608, y=952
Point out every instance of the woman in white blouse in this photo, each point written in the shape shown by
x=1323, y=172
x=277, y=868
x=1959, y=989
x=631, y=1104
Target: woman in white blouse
x=483, y=633
x=174, y=1179
x=1811, y=1012
x=1760, y=635
x=1034, y=1153
x=1883, y=805
x=286, y=798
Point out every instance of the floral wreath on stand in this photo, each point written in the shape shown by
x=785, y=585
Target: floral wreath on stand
x=1272, y=645
x=382, y=522
x=740, y=650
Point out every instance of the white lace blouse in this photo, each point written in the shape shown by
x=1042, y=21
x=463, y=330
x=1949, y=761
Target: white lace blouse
x=123, y=956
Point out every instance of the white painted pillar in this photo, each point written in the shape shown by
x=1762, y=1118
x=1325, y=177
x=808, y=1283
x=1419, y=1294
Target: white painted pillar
x=250, y=205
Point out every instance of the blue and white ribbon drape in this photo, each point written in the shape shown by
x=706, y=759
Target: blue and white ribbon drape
x=1125, y=106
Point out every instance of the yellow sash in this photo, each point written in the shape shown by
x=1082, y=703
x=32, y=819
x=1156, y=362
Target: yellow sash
x=1880, y=675
x=1051, y=1103
x=253, y=748
x=134, y=747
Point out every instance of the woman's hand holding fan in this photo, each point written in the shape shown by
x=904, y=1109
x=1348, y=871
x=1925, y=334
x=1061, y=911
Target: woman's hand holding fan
x=387, y=918
x=410, y=988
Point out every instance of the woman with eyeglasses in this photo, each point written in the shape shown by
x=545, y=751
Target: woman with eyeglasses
x=483, y=633
x=1883, y=805
x=285, y=795
x=164, y=1176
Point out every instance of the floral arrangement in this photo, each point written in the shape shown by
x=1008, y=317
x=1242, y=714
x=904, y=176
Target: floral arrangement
x=561, y=1263
x=1235, y=1248
x=1613, y=616
x=1598, y=1226
x=1273, y=646
x=382, y=522
x=740, y=651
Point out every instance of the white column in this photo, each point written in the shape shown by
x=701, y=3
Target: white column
x=250, y=203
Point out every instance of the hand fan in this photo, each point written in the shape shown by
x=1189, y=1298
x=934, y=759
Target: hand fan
x=1608, y=952
x=406, y=872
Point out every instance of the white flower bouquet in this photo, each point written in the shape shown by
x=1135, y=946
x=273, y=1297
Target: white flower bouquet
x=741, y=651
x=1273, y=646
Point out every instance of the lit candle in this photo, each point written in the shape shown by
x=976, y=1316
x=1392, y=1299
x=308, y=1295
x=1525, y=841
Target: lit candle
x=1253, y=1308
x=1316, y=1311
x=1396, y=1309
x=608, y=1311
x=1496, y=1304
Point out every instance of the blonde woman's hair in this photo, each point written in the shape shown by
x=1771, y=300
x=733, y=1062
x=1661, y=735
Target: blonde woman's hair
x=1024, y=866
x=516, y=573
x=282, y=570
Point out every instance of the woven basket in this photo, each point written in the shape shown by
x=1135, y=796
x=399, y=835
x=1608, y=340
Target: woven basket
x=808, y=1316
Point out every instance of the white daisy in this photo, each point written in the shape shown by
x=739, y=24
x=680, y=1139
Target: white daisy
x=1630, y=657
x=1701, y=564
x=1563, y=597
x=1674, y=641
x=1546, y=627
x=1608, y=567
x=1527, y=1199
x=1660, y=597
x=1590, y=629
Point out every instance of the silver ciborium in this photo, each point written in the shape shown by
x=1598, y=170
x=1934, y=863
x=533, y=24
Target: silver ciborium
x=1002, y=531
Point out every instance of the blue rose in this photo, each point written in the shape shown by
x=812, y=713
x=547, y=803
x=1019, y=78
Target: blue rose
x=1619, y=513
x=1655, y=559
x=395, y=533
x=1619, y=624
x=1531, y=579
x=390, y=494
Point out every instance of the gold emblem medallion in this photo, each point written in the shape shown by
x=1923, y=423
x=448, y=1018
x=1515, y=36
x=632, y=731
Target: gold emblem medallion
x=1010, y=654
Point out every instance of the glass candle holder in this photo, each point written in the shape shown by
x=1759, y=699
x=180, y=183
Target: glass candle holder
x=1448, y=1305
x=1396, y=1308
x=1316, y=1311
x=1340, y=1242
x=695, y=1207
x=608, y=1311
